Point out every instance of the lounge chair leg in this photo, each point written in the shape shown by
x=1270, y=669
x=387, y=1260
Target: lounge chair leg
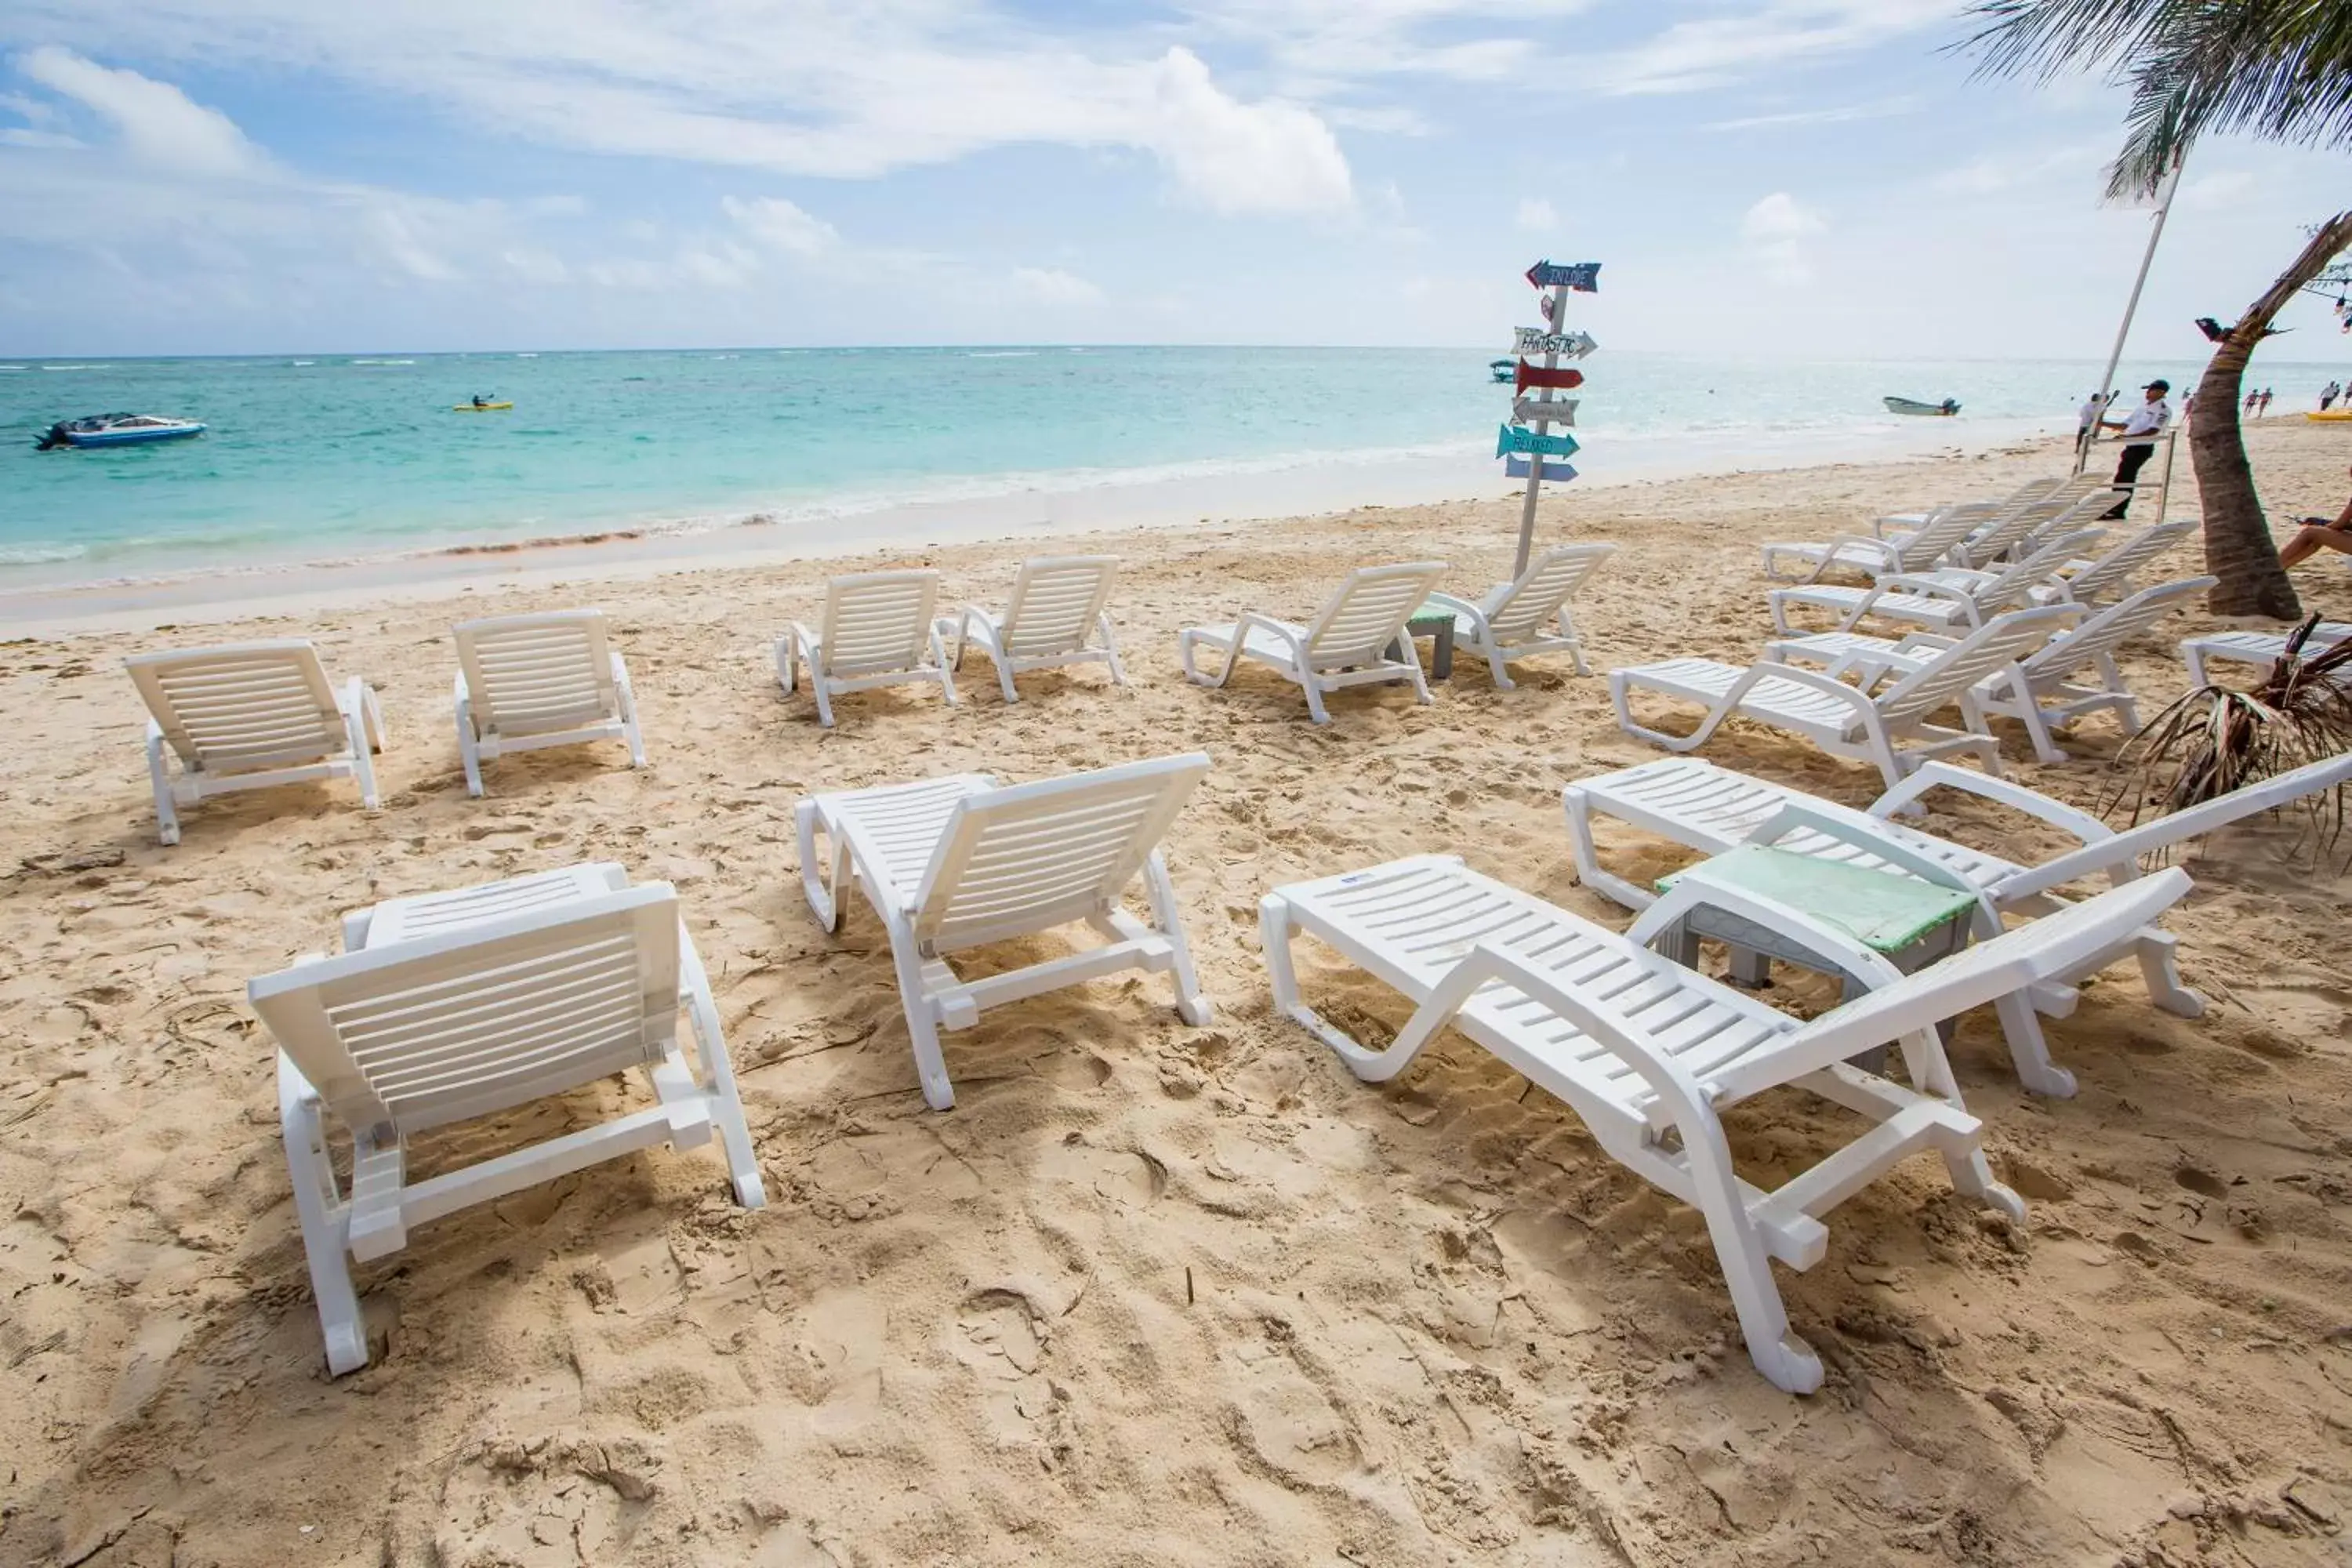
x=823, y=893
x=824, y=698
x=1577, y=807
x=1110, y=653
x=317, y=1208
x=2158, y=952
x=1315, y=709
x=629, y=730
x=167, y=815
x=1575, y=641
x=2028, y=1051
x=2195, y=658
x=946, y=675
x=1502, y=675
x=469, y=751
x=923, y=1024
x=1785, y=1360
x=718, y=1078
x=1005, y=683
x=1191, y=1002
x=355, y=735
x=787, y=663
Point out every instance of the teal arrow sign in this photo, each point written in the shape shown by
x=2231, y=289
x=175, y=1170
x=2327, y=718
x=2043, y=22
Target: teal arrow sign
x=1518, y=469
x=1511, y=438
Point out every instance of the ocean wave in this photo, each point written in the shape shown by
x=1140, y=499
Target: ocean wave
x=303, y=362
x=1001, y=353
x=73, y=367
x=38, y=554
x=380, y=361
x=16, y=367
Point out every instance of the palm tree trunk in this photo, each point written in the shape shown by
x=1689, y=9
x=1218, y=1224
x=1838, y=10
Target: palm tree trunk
x=2237, y=545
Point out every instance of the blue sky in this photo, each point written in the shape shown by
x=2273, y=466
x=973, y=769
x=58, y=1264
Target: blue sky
x=1792, y=178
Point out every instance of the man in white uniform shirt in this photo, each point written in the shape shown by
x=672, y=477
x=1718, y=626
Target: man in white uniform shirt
x=2140, y=428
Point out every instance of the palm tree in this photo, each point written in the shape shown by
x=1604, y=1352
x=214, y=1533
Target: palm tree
x=2280, y=69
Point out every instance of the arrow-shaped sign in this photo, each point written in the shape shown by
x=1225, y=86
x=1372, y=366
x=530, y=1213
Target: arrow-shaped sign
x=1536, y=341
x=1565, y=378
x=1520, y=467
x=1534, y=411
x=1513, y=438
x=1584, y=277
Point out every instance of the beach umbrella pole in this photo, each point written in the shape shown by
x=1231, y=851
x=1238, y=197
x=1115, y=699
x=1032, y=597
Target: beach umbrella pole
x=2131, y=308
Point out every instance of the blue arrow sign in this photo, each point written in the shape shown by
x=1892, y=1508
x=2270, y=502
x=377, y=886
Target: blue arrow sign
x=1584, y=277
x=1513, y=438
x=1519, y=467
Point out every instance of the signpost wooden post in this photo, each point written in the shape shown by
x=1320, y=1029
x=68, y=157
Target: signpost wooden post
x=1524, y=451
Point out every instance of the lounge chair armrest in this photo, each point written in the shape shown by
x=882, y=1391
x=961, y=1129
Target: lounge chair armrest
x=1458, y=605
x=1829, y=685
x=1916, y=641
x=2086, y=827
x=1288, y=634
x=1917, y=582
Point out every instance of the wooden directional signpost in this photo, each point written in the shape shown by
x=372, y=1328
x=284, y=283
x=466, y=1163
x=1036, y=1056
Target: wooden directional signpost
x=1527, y=446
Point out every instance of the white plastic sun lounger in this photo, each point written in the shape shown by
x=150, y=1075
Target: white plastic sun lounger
x=450, y=1006
x=1649, y=1054
x=1710, y=809
x=877, y=630
x=2033, y=489
x=1888, y=727
x=2109, y=579
x=964, y=861
x=1510, y=623
x=2042, y=693
x=1941, y=600
x=526, y=682
x=249, y=716
x=2021, y=532
x=1056, y=617
x=2264, y=648
x=1348, y=644
x=1937, y=537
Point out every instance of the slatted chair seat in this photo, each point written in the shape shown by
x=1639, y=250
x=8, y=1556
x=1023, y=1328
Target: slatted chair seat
x=251, y=716
x=1649, y=1054
x=451, y=1007
x=878, y=630
x=529, y=682
x=2264, y=648
x=1349, y=644
x=965, y=861
x=1945, y=599
x=2109, y=579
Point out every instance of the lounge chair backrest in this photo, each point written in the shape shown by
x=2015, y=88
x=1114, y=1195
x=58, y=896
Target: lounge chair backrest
x=2179, y=826
x=2014, y=584
x=1056, y=602
x=1521, y=607
x=1935, y=538
x=2002, y=641
x=2056, y=945
x=251, y=705
x=2060, y=513
x=1368, y=612
x=2104, y=634
x=536, y=675
x=876, y=622
x=2111, y=573
x=413, y=1034
x=1033, y=856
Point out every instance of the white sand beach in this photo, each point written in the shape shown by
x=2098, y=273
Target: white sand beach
x=1151, y=1293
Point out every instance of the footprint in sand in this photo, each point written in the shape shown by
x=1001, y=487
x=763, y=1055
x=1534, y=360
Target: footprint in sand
x=1278, y=1414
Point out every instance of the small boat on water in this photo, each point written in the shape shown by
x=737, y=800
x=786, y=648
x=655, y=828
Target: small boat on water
x=116, y=430
x=1502, y=369
x=478, y=407
x=1945, y=409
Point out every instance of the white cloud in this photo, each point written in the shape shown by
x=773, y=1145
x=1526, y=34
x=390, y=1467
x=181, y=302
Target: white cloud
x=1836, y=115
x=1537, y=216
x=1052, y=286
x=1774, y=232
x=1232, y=157
x=1996, y=173
x=1690, y=57
x=783, y=224
x=158, y=123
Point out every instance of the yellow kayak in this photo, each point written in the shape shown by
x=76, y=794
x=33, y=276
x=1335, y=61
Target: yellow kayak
x=477, y=407
x=2332, y=417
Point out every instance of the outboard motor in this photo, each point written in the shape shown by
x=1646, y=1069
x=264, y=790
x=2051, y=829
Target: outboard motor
x=54, y=438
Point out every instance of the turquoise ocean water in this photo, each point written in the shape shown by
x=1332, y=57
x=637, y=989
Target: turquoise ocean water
x=336, y=456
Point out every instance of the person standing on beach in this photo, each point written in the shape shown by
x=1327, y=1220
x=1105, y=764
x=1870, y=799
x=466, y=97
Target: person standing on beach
x=2251, y=399
x=2140, y=428
x=2264, y=412
x=2329, y=394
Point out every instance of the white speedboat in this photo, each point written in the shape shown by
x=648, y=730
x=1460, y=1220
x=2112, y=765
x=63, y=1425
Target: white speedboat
x=117, y=430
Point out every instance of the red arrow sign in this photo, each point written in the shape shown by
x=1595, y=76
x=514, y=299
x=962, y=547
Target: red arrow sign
x=1564, y=378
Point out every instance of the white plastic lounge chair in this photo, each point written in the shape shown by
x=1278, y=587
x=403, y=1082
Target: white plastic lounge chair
x=455, y=1005
x=1509, y=623
x=526, y=682
x=1889, y=728
x=2041, y=692
x=877, y=629
x=1348, y=644
x=1941, y=600
x=964, y=861
x=2033, y=489
x=1935, y=538
x=1649, y=1054
x=2264, y=648
x=2109, y=579
x=1053, y=619
x=249, y=716
x=1710, y=809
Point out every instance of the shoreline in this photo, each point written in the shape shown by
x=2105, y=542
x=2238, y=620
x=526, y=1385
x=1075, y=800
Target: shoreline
x=1307, y=487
